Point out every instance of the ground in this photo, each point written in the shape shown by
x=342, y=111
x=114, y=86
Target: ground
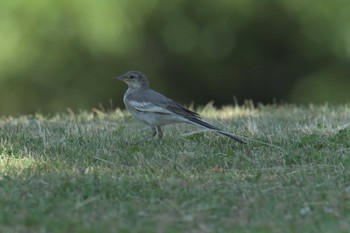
x=84, y=172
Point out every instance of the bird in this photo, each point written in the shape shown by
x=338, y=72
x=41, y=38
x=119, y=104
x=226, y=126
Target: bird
x=157, y=110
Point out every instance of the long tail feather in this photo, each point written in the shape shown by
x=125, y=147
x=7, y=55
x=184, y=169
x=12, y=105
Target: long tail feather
x=203, y=124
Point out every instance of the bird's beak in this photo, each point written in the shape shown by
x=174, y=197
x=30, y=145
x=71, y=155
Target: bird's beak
x=121, y=78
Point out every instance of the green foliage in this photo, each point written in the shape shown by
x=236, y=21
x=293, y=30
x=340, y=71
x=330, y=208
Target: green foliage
x=82, y=173
x=62, y=54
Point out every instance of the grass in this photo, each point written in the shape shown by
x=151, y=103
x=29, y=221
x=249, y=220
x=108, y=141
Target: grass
x=80, y=173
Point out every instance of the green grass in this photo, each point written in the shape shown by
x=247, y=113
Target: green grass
x=81, y=173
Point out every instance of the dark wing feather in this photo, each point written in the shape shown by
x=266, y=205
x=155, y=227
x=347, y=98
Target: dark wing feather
x=181, y=110
x=162, y=101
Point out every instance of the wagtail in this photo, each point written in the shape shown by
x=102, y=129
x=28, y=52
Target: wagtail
x=157, y=110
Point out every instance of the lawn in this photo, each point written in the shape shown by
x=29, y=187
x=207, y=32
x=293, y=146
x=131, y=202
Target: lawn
x=84, y=172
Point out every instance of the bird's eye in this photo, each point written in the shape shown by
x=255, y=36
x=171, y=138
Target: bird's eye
x=132, y=76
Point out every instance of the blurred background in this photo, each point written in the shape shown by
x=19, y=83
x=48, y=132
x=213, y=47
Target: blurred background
x=60, y=54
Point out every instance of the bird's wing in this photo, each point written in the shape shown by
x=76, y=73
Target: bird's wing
x=170, y=105
x=181, y=110
x=146, y=106
x=152, y=101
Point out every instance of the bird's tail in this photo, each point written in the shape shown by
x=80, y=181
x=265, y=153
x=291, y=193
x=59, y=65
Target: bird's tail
x=205, y=125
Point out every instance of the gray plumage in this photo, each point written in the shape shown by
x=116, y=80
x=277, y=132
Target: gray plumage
x=156, y=110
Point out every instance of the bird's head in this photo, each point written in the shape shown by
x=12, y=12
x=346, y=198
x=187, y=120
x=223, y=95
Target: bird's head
x=134, y=79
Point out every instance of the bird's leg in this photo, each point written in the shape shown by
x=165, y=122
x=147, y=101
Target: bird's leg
x=154, y=131
x=159, y=132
